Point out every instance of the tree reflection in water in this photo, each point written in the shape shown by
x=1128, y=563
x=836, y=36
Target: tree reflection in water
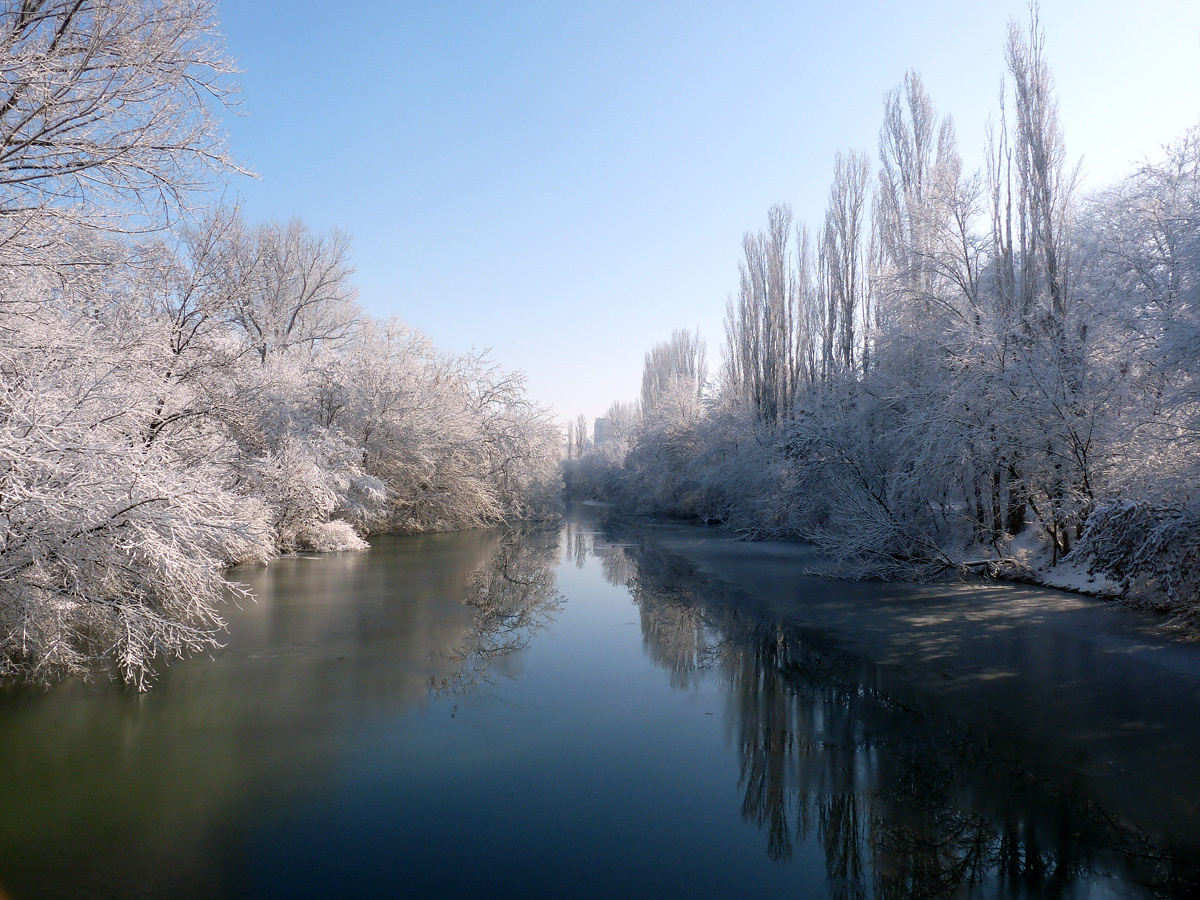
x=513, y=597
x=902, y=801
x=578, y=543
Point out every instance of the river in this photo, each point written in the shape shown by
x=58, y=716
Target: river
x=618, y=709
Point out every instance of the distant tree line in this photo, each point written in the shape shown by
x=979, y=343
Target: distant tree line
x=180, y=389
x=956, y=370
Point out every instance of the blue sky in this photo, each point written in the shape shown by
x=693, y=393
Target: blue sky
x=565, y=183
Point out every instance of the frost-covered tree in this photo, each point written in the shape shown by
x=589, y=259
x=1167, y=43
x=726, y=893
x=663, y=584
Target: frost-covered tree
x=107, y=118
x=917, y=210
x=764, y=329
x=114, y=530
x=116, y=526
x=674, y=376
x=1140, y=250
x=297, y=288
x=844, y=252
x=660, y=462
x=581, y=434
x=985, y=358
x=181, y=390
x=623, y=421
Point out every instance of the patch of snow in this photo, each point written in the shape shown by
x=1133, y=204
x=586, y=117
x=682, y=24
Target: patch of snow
x=1030, y=555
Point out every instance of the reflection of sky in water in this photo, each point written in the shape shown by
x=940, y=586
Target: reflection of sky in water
x=590, y=713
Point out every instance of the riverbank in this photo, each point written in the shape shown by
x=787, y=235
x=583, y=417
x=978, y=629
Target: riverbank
x=1027, y=561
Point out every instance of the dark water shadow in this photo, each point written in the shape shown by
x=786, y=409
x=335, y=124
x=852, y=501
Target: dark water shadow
x=903, y=798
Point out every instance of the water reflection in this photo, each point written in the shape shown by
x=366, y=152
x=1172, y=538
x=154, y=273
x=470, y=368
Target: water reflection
x=676, y=632
x=901, y=800
x=512, y=598
x=359, y=737
x=111, y=793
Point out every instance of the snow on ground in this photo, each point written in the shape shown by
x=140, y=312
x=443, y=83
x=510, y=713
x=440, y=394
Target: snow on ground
x=1030, y=552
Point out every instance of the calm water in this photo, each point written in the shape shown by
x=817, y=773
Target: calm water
x=618, y=711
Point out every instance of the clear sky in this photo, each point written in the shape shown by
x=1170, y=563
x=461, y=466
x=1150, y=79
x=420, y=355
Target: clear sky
x=565, y=183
